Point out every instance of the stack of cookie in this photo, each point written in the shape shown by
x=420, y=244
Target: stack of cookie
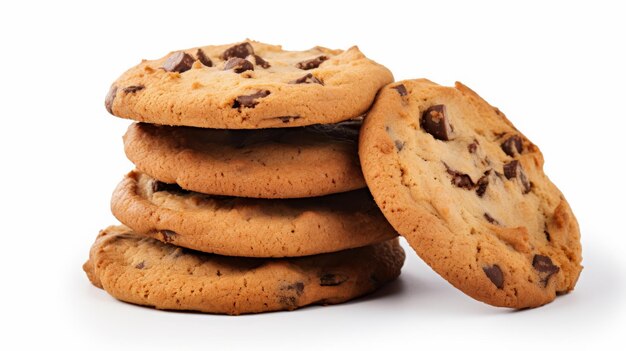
x=248, y=194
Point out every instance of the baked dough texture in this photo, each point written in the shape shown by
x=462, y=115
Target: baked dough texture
x=467, y=190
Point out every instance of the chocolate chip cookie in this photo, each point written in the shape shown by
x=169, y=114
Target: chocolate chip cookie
x=467, y=189
x=147, y=272
x=248, y=85
x=249, y=227
x=268, y=163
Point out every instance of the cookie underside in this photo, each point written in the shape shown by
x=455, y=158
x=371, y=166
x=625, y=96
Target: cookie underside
x=269, y=163
x=248, y=227
x=147, y=272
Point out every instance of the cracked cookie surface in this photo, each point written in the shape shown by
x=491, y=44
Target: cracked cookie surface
x=268, y=163
x=249, y=227
x=454, y=176
x=148, y=272
x=248, y=85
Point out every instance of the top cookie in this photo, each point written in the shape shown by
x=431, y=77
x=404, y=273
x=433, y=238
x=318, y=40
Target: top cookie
x=248, y=85
x=467, y=190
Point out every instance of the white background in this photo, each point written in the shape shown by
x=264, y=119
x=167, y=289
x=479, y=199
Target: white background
x=557, y=70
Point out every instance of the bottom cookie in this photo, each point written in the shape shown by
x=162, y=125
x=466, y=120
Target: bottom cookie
x=148, y=272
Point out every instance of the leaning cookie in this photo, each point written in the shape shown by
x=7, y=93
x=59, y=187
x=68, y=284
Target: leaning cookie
x=269, y=163
x=248, y=227
x=248, y=85
x=147, y=272
x=468, y=191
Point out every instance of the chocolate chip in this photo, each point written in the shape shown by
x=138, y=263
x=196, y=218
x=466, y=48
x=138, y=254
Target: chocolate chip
x=249, y=101
x=545, y=267
x=307, y=79
x=238, y=65
x=514, y=169
x=332, y=279
x=544, y=264
x=459, y=179
x=289, y=302
x=401, y=89
x=512, y=145
x=288, y=119
x=167, y=235
x=242, y=50
x=490, y=219
x=140, y=265
x=546, y=233
x=510, y=169
x=299, y=287
x=259, y=61
x=203, y=58
x=482, y=183
x=473, y=147
x=494, y=273
x=133, y=89
x=435, y=122
x=108, y=101
x=312, y=63
x=399, y=144
x=169, y=187
x=178, y=62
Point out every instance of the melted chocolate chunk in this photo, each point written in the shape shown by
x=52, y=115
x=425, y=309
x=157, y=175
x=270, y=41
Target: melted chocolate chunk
x=514, y=169
x=289, y=302
x=490, y=219
x=482, y=183
x=108, y=101
x=249, y=101
x=401, y=89
x=512, y=145
x=545, y=267
x=242, y=51
x=459, y=179
x=168, y=235
x=510, y=169
x=178, y=62
x=169, y=187
x=473, y=147
x=258, y=60
x=544, y=264
x=547, y=233
x=332, y=279
x=133, y=89
x=298, y=287
x=307, y=79
x=494, y=273
x=203, y=58
x=287, y=119
x=435, y=122
x=399, y=144
x=312, y=63
x=141, y=265
x=238, y=65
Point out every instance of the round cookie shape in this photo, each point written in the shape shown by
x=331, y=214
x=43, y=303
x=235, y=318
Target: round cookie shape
x=247, y=227
x=268, y=163
x=148, y=272
x=467, y=190
x=248, y=85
